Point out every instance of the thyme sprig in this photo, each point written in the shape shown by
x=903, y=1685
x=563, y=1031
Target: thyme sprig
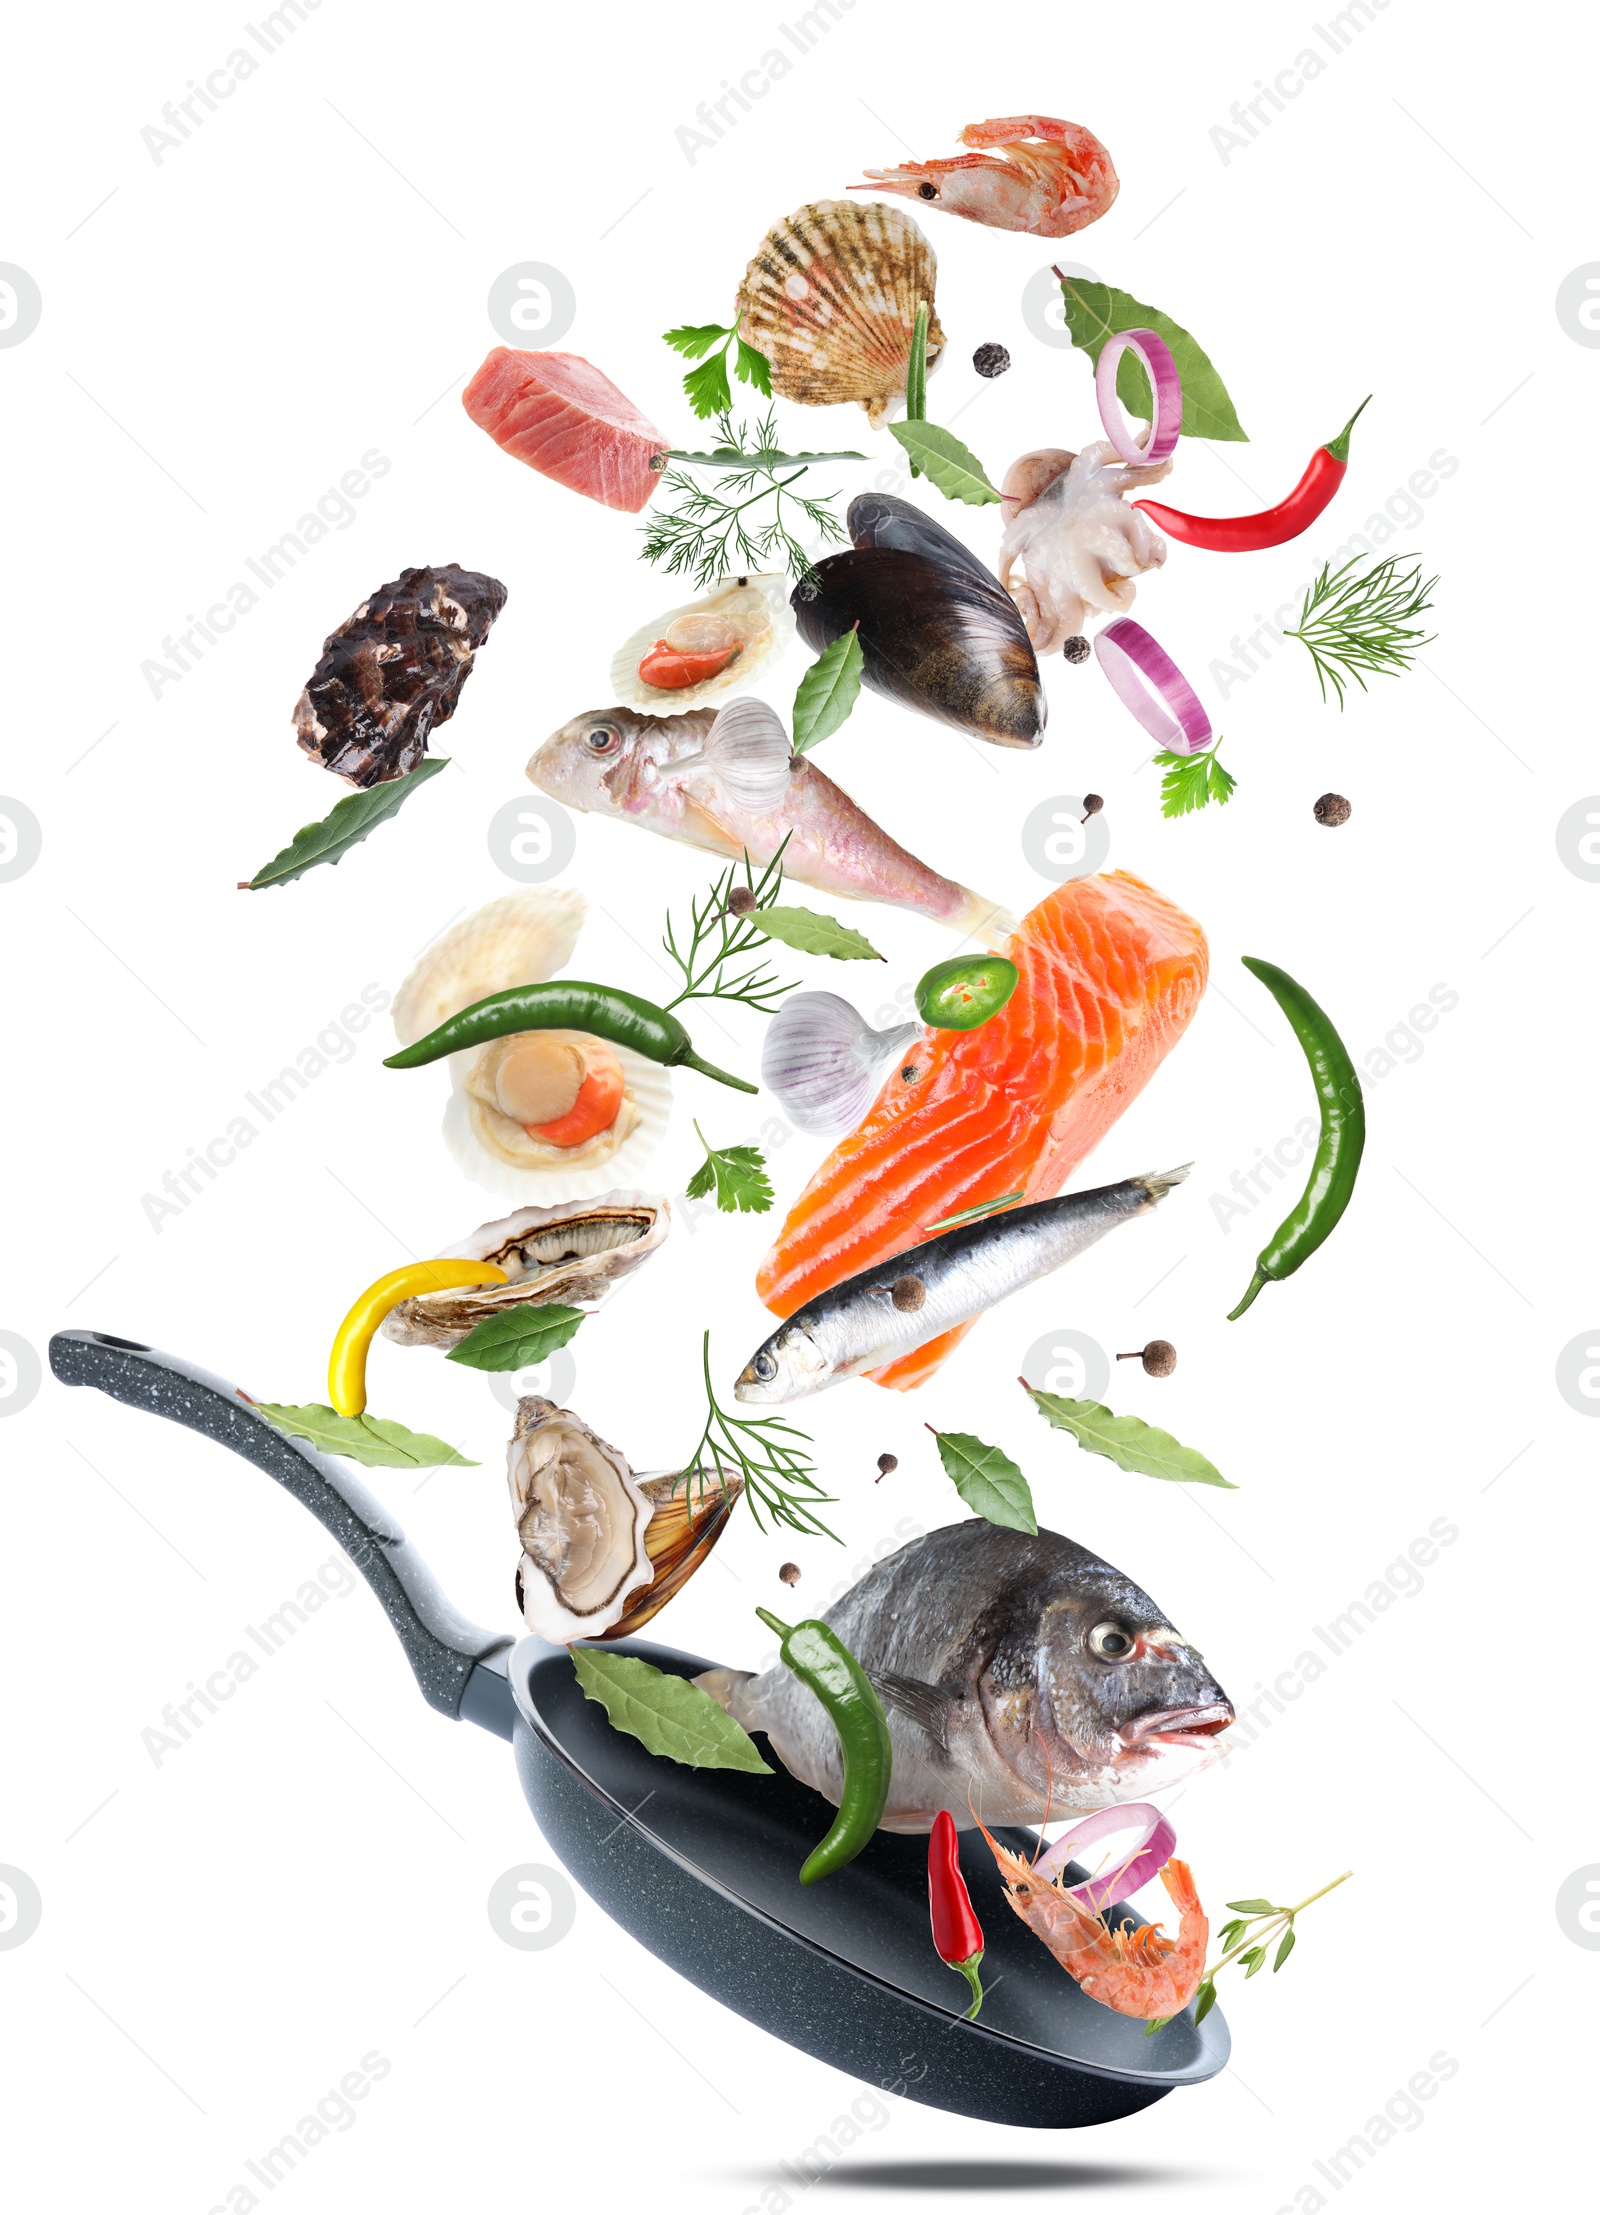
x=1355, y=625
x=720, y=933
x=779, y=1479
x=712, y=532
x=1248, y=1940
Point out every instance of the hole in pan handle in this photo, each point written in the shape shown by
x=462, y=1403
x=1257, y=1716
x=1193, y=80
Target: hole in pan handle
x=459, y=1667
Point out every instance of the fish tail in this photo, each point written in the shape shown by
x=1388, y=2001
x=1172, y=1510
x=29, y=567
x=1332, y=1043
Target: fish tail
x=983, y=920
x=1157, y=1183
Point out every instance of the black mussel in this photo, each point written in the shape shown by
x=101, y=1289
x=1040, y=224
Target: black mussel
x=937, y=636
x=879, y=519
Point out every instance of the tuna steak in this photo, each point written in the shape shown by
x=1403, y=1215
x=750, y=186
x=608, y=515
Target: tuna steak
x=557, y=413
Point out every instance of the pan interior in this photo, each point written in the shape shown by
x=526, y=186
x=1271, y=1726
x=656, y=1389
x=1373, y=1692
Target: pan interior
x=747, y=1836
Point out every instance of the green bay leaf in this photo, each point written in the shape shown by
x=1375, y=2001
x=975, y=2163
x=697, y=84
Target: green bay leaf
x=988, y=1483
x=345, y=825
x=370, y=1439
x=668, y=1715
x=827, y=692
x=517, y=1337
x=1132, y=1444
x=1096, y=312
x=810, y=933
x=940, y=456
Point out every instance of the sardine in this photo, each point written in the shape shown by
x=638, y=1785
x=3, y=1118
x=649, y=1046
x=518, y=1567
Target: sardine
x=890, y=1310
x=1022, y=1677
x=657, y=771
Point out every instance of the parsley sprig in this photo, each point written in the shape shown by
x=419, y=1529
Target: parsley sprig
x=1192, y=781
x=708, y=388
x=739, y=1174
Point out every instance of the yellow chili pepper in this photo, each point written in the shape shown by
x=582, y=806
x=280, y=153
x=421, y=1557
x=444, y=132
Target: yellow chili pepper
x=347, y=1364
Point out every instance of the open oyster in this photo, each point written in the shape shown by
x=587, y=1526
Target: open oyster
x=708, y=649
x=602, y=1549
x=572, y=1254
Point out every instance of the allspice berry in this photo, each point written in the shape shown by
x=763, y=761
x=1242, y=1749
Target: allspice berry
x=1332, y=810
x=991, y=360
x=1076, y=650
x=1160, y=1357
x=741, y=900
x=909, y=1294
x=789, y=1573
x=887, y=1465
x=1092, y=804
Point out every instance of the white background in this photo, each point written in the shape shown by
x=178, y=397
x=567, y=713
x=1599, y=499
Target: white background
x=304, y=1882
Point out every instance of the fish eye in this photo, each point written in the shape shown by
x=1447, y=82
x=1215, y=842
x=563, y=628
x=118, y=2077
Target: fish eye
x=927, y=192
x=1110, y=1642
x=765, y=1367
x=602, y=738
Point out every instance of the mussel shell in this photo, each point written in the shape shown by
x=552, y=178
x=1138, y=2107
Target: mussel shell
x=880, y=519
x=937, y=636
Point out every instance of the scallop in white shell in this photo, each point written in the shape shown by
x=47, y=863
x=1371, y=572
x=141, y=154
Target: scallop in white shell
x=522, y=938
x=499, y=1156
x=751, y=613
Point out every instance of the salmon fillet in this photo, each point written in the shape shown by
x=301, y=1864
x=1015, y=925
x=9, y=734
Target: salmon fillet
x=1111, y=974
x=557, y=413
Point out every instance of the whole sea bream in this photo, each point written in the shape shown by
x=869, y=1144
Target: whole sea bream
x=650, y=770
x=1022, y=1677
x=888, y=1311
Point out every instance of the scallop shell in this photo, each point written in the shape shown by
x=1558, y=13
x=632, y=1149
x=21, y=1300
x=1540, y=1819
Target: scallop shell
x=831, y=299
x=561, y=1172
x=520, y=939
x=757, y=607
x=572, y=1254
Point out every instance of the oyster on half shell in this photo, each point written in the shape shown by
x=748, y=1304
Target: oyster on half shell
x=602, y=1549
x=572, y=1254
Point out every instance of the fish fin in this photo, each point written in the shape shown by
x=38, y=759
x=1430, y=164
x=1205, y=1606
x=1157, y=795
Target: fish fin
x=723, y=1684
x=746, y=755
x=983, y=920
x=922, y=1704
x=1158, y=1183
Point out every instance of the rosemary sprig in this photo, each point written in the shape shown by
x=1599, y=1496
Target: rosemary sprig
x=1249, y=1940
x=720, y=932
x=778, y=1476
x=712, y=534
x=1354, y=624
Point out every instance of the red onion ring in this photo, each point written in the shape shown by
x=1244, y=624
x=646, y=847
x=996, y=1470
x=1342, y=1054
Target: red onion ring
x=1137, y=668
x=1165, y=384
x=1151, y=1854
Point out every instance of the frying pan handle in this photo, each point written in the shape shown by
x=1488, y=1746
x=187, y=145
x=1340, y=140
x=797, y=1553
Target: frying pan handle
x=459, y=1667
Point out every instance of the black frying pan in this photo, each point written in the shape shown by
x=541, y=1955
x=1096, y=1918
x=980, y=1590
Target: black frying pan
x=702, y=1866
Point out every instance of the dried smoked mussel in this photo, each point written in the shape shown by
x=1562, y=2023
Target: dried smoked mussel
x=394, y=671
x=937, y=633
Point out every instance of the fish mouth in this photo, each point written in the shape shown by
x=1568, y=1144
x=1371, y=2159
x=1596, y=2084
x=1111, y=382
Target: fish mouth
x=1179, y=1725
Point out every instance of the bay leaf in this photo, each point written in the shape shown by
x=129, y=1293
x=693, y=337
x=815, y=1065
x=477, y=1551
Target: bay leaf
x=1132, y=1444
x=517, y=1337
x=810, y=933
x=827, y=692
x=345, y=825
x=990, y=1484
x=668, y=1715
x=370, y=1439
x=940, y=457
x=1096, y=312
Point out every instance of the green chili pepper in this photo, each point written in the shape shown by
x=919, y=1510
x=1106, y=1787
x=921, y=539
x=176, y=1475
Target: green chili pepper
x=827, y=1667
x=1344, y=1133
x=960, y=995
x=567, y=1005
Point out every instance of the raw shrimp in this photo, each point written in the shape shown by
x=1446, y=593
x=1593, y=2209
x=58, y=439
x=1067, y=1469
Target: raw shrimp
x=1137, y=1970
x=1052, y=179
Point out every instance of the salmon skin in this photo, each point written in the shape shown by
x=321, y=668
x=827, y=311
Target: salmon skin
x=557, y=413
x=1110, y=975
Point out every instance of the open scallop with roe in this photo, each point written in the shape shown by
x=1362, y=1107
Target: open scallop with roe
x=707, y=650
x=539, y=1116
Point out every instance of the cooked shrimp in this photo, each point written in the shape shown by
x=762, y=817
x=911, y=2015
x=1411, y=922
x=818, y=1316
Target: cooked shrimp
x=1137, y=1970
x=1051, y=179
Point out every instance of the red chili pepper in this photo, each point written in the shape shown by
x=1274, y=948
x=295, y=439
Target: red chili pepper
x=957, y=1934
x=1247, y=534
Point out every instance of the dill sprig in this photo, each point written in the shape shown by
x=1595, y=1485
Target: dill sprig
x=778, y=1477
x=1354, y=624
x=712, y=532
x=720, y=934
